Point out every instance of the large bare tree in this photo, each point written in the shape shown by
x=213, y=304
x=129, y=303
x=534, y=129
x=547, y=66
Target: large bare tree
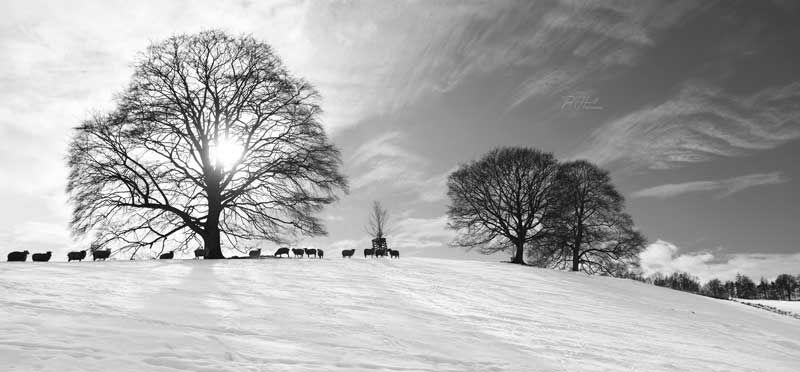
x=592, y=232
x=502, y=202
x=212, y=140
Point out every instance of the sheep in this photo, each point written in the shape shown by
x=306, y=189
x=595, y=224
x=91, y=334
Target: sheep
x=394, y=253
x=282, y=251
x=167, y=256
x=320, y=253
x=18, y=256
x=77, y=256
x=256, y=253
x=199, y=252
x=380, y=252
x=369, y=252
x=298, y=252
x=42, y=257
x=348, y=253
x=101, y=255
x=309, y=252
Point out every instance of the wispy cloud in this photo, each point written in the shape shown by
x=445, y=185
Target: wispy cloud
x=383, y=162
x=724, y=188
x=701, y=123
x=558, y=44
x=665, y=257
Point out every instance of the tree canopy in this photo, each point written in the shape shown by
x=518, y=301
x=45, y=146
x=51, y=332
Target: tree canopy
x=212, y=140
x=502, y=201
x=590, y=230
x=561, y=215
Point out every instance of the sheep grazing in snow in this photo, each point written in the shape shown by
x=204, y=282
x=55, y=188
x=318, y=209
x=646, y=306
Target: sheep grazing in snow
x=282, y=251
x=380, y=252
x=394, y=253
x=167, y=256
x=320, y=253
x=256, y=253
x=199, y=252
x=309, y=252
x=369, y=252
x=101, y=255
x=348, y=253
x=76, y=256
x=298, y=252
x=42, y=257
x=18, y=256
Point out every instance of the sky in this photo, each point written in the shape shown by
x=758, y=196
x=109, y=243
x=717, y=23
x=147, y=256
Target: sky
x=693, y=106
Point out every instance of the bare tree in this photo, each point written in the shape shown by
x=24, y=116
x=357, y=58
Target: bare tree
x=591, y=233
x=378, y=219
x=212, y=140
x=502, y=201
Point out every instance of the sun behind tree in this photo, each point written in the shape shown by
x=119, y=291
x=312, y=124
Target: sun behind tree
x=213, y=139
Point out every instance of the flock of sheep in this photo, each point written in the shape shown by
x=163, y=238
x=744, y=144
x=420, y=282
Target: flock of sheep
x=22, y=256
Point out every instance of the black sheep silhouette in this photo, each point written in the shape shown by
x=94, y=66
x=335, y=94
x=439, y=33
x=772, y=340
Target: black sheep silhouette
x=76, y=256
x=394, y=253
x=348, y=253
x=320, y=253
x=101, y=255
x=167, y=256
x=255, y=253
x=298, y=252
x=199, y=252
x=282, y=251
x=42, y=257
x=310, y=252
x=369, y=252
x=18, y=256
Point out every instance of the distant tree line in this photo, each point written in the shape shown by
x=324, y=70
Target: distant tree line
x=784, y=287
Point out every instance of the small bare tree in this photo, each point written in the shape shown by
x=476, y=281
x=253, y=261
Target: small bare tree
x=502, y=202
x=213, y=139
x=378, y=221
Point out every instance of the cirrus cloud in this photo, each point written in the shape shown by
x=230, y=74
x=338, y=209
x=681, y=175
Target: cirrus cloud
x=700, y=124
x=724, y=188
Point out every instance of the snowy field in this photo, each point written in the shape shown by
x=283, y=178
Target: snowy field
x=411, y=314
x=790, y=306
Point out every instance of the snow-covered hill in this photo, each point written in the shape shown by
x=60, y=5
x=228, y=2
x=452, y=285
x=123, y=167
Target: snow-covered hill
x=411, y=314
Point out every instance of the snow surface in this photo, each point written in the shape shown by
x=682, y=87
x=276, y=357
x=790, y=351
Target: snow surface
x=791, y=306
x=411, y=314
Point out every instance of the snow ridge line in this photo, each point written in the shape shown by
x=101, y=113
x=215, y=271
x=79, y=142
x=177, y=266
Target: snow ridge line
x=770, y=308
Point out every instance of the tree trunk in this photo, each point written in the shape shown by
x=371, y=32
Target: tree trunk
x=576, y=259
x=212, y=237
x=518, y=254
x=212, y=244
x=576, y=249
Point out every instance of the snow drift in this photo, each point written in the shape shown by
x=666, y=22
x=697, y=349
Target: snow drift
x=385, y=315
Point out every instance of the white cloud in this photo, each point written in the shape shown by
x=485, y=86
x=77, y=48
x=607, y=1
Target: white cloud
x=665, y=257
x=724, y=188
